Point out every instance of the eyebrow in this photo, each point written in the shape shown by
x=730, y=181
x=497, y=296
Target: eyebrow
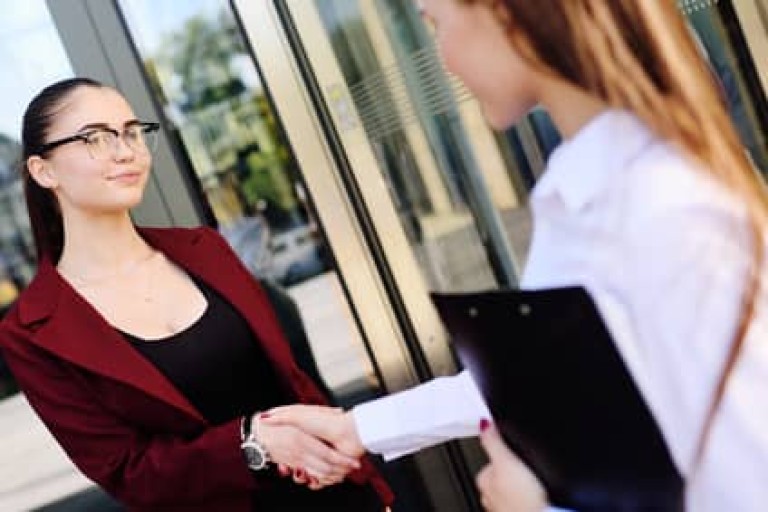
x=101, y=126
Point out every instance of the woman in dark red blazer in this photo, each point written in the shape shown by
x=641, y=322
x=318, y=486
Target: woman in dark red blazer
x=149, y=352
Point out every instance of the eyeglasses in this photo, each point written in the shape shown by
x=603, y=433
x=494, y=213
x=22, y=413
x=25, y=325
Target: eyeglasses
x=103, y=143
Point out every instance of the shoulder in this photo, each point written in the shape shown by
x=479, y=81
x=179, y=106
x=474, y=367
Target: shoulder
x=672, y=201
x=668, y=182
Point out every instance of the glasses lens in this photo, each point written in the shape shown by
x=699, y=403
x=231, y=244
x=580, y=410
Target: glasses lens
x=101, y=144
x=149, y=134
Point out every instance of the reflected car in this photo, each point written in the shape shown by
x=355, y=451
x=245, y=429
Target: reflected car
x=296, y=255
x=287, y=257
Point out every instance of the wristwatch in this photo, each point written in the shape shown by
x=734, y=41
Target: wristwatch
x=255, y=454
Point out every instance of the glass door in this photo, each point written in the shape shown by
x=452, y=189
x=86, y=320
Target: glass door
x=219, y=111
x=440, y=198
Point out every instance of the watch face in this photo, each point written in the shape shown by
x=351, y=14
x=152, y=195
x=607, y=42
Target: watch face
x=254, y=456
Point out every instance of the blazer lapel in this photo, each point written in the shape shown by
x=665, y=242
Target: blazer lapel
x=76, y=332
x=203, y=253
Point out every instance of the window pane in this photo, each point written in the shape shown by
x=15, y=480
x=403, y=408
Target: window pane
x=32, y=57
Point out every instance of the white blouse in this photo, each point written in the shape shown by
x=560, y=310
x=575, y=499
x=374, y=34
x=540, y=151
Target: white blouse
x=664, y=252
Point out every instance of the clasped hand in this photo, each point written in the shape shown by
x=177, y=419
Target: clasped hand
x=318, y=445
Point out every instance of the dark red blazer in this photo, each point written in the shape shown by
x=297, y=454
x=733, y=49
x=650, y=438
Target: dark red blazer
x=118, y=418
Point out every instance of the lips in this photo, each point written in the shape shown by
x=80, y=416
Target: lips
x=128, y=175
x=127, y=179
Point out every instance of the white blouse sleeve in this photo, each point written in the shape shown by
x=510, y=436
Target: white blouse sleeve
x=434, y=412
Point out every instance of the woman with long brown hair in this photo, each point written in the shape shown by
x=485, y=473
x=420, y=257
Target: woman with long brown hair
x=650, y=203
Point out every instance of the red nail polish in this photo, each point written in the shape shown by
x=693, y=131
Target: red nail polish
x=298, y=473
x=264, y=415
x=484, y=424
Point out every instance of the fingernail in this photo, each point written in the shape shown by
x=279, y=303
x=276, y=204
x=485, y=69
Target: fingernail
x=484, y=424
x=284, y=471
x=264, y=415
x=298, y=473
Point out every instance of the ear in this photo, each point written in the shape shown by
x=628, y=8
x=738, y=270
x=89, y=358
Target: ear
x=42, y=172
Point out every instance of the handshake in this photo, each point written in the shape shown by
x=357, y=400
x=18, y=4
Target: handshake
x=318, y=446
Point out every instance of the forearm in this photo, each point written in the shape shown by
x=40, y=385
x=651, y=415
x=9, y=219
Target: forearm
x=136, y=465
x=151, y=471
x=443, y=409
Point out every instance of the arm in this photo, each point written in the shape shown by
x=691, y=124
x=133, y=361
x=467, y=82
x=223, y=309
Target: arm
x=437, y=411
x=140, y=466
x=443, y=409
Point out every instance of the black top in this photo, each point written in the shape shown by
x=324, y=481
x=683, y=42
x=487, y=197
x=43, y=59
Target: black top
x=223, y=376
x=220, y=367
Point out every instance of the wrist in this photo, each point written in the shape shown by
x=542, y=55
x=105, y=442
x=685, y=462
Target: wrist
x=245, y=426
x=352, y=436
x=255, y=453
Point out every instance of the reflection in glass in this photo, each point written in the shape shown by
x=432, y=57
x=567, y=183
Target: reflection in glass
x=200, y=71
x=32, y=58
x=450, y=178
x=709, y=28
x=198, y=66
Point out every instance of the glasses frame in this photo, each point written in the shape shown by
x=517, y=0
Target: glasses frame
x=146, y=127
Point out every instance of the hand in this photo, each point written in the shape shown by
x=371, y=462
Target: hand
x=312, y=461
x=332, y=425
x=506, y=484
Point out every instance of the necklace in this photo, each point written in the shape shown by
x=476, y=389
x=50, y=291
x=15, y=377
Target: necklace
x=93, y=282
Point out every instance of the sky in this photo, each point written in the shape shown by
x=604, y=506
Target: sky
x=32, y=55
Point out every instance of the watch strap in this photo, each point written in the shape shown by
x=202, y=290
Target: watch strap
x=245, y=426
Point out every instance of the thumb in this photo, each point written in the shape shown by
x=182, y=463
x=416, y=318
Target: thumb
x=492, y=442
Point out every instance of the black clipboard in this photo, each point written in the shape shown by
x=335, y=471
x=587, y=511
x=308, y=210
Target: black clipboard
x=563, y=398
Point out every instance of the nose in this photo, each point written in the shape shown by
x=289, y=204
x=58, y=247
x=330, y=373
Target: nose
x=122, y=150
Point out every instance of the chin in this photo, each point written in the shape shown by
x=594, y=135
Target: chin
x=500, y=121
x=504, y=119
x=124, y=203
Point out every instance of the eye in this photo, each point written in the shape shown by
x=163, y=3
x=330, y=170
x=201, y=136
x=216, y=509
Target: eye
x=100, y=138
x=134, y=133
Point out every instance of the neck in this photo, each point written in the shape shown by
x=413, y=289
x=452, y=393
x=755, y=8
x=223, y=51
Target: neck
x=569, y=107
x=100, y=246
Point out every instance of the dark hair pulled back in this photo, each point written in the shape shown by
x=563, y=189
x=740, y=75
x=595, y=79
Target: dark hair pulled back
x=44, y=213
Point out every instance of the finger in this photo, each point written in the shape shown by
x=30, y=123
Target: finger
x=316, y=484
x=328, y=456
x=288, y=410
x=300, y=476
x=482, y=482
x=492, y=442
x=284, y=470
x=323, y=471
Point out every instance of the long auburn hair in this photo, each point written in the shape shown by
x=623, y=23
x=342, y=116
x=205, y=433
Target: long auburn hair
x=638, y=55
